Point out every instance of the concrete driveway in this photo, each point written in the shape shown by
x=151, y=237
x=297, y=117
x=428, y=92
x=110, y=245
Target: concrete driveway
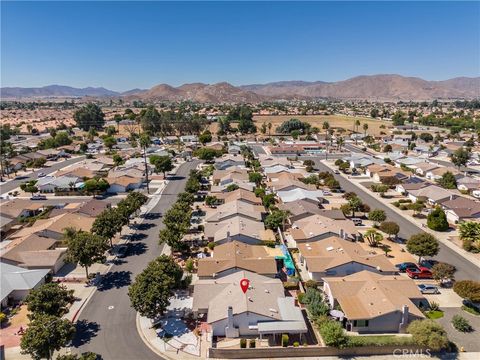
x=446, y=299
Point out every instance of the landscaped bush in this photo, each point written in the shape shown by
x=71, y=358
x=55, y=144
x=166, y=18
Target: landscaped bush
x=380, y=340
x=211, y=245
x=437, y=220
x=296, y=344
x=434, y=306
x=333, y=334
x=285, y=340
x=243, y=343
x=290, y=285
x=301, y=298
x=429, y=333
x=311, y=284
x=461, y=324
x=252, y=343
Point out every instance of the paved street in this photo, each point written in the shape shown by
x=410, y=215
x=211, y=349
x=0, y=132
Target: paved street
x=107, y=324
x=465, y=270
x=13, y=184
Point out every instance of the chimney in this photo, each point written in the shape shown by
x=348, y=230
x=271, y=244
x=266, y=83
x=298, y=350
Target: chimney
x=229, y=238
x=230, y=317
x=341, y=233
x=403, y=324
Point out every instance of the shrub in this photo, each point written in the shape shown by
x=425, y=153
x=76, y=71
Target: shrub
x=434, y=306
x=288, y=285
x=243, y=343
x=3, y=317
x=296, y=344
x=285, y=340
x=211, y=245
x=332, y=334
x=468, y=289
x=252, y=343
x=437, y=220
x=428, y=333
x=461, y=324
x=311, y=284
x=301, y=298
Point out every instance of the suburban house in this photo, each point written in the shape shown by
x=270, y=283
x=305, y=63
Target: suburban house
x=423, y=168
x=380, y=173
x=17, y=282
x=236, y=256
x=375, y=303
x=304, y=208
x=317, y=227
x=14, y=210
x=461, y=209
x=50, y=184
x=433, y=194
x=239, y=195
x=235, y=208
x=123, y=183
x=436, y=174
x=34, y=252
x=334, y=256
x=413, y=183
x=297, y=194
x=238, y=228
x=263, y=310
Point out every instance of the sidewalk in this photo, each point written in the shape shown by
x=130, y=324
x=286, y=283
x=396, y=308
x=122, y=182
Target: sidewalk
x=442, y=237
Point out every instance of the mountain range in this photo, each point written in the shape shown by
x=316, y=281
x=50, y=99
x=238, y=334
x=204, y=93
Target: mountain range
x=372, y=87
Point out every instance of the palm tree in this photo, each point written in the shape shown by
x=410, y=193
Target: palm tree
x=357, y=124
x=325, y=127
x=373, y=237
x=144, y=141
x=365, y=128
x=269, y=125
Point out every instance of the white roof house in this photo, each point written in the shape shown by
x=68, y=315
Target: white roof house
x=17, y=282
x=300, y=194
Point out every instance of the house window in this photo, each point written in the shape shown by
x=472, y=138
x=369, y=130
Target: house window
x=360, y=323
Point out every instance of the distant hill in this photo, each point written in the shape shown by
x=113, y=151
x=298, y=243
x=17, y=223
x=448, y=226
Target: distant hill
x=215, y=93
x=55, y=91
x=372, y=87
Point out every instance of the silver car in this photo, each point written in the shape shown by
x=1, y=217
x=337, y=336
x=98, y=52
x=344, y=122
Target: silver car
x=428, y=289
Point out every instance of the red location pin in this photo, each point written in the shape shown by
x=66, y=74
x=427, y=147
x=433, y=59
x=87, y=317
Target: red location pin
x=244, y=285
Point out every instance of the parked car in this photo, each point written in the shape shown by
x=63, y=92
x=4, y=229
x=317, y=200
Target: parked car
x=336, y=172
x=326, y=193
x=40, y=175
x=428, y=263
x=428, y=289
x=38, y=197
x=419, y=273
x=402, y=267
x=357, y=221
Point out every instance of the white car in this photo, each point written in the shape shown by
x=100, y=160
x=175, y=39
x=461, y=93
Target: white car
x=38, y=197
x=428, y=289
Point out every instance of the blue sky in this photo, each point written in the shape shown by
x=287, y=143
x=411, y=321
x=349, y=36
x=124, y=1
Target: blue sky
x=124, y=45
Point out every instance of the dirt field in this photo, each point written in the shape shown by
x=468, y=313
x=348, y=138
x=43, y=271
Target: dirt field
x=335, y=121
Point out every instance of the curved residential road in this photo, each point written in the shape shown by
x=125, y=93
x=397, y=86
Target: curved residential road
x=465, y=269
x=107, y=324
x=13, y=184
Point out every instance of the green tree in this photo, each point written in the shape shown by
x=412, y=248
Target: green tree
x=263, y=128
x=207, y=154
x=460, y=157
x=448, y=181
x=268, y=200
x=255, y=177
x=437, y=220
x=117, y=159
x=108, y=223
x=232, y=187
x=109, y=142
x=152, y=288
x=150, y=120
x=276, y=219
x=428, y=333
x=443, y=272
x=163, y=164
x=390, y=228
x=373, y=237
x=89, y=116
x=85, y=356
x=468, y=289
x=86, y=249
x=49, y=299
x=46, y=334
x=333, y=334
x=29, y=186
x=423, y=244
x=355, y=204
x=172, y=237
x=205, y=137
x=377, y=216
x=210, y=200
x=96, y=186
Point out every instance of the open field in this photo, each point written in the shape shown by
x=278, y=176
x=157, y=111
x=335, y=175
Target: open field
x=335, y=121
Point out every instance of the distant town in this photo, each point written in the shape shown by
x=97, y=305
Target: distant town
x=191, y=230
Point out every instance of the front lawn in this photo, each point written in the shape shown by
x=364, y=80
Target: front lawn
x=434, y=314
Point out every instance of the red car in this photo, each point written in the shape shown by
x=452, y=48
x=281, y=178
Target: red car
x=420, y=273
